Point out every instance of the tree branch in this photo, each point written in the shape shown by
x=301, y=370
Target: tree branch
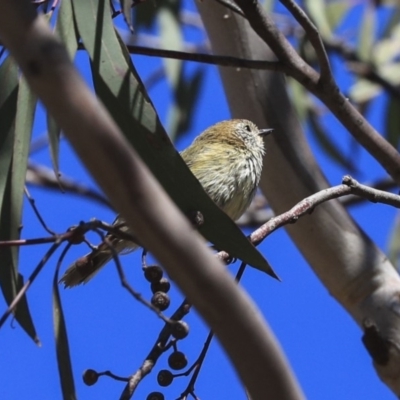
x=326, y=91
x=136, y=194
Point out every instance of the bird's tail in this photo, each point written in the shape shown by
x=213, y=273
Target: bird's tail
x=86, y=267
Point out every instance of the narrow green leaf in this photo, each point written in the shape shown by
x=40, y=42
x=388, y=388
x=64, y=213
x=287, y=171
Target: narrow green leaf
x=269, y=5
x=54, y=132
x=335, y=11
x=366, y=37
x=8, y=110
x=119, y=87
x=65, y=29
x=171, y=38
x=26, y=106
x=181, y=113
x=316, y=9
x=145, y=15
x=126, y=6
x=394, y=20
x=327, y=144
x=62, y=345
x=23, y=314
x=10, y=280
x=300, y=98
x=363, y=90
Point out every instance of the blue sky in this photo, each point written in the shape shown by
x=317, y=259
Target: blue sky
x=108, y=330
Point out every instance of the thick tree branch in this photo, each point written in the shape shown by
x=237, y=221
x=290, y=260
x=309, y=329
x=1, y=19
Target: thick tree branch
x=140, y=199
x=347, y=262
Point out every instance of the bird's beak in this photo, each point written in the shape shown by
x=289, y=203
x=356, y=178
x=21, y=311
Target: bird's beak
x=265, y=132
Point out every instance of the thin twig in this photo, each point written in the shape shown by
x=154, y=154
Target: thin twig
x=36, y=211
x=204, y=58
x=124, y=282
x=112, y=375
x=372, y=194
x=307, y=205
x=28, y=283
x=74, y=234
x=199, y=362
x=197, y=367
x=45, y=177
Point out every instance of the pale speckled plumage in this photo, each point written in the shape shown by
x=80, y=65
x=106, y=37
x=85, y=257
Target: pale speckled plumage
x=234, y=144
x=227, y=160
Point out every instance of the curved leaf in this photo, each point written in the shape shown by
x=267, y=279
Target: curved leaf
x=126, y=6
x=119, y=87
x=366, y=37
x=65, y=29
x=17, y=105
x=61, y=337
x=327, y=144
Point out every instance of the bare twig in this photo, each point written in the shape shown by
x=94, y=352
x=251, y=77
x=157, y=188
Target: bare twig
x=197, y=367
x=258, y=213
x=28, y=283
x=199, y=362
x=208, y=58
x=125, y=284
x=37, y=213
x=45, y=177
x=155, y=353
x=306, y=206
x=74, y=234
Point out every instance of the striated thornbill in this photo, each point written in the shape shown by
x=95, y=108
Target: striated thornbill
x=227, y=160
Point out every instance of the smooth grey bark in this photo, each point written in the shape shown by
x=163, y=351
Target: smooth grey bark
x=347, y=262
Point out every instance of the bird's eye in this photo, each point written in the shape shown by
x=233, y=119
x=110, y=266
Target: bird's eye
x=247, y=127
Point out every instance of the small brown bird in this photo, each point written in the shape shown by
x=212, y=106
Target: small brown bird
x=227, y=160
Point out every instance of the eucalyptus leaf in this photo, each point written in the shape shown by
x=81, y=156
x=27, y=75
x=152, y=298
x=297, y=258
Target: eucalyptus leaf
x=186, y=97
x=62, y=345
x=363, y=90
x=300, y=98
x=317, y=12
x=120, y=89
x=17, y=106
x=366, y=36
x=335, y=11
x=330, y=148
